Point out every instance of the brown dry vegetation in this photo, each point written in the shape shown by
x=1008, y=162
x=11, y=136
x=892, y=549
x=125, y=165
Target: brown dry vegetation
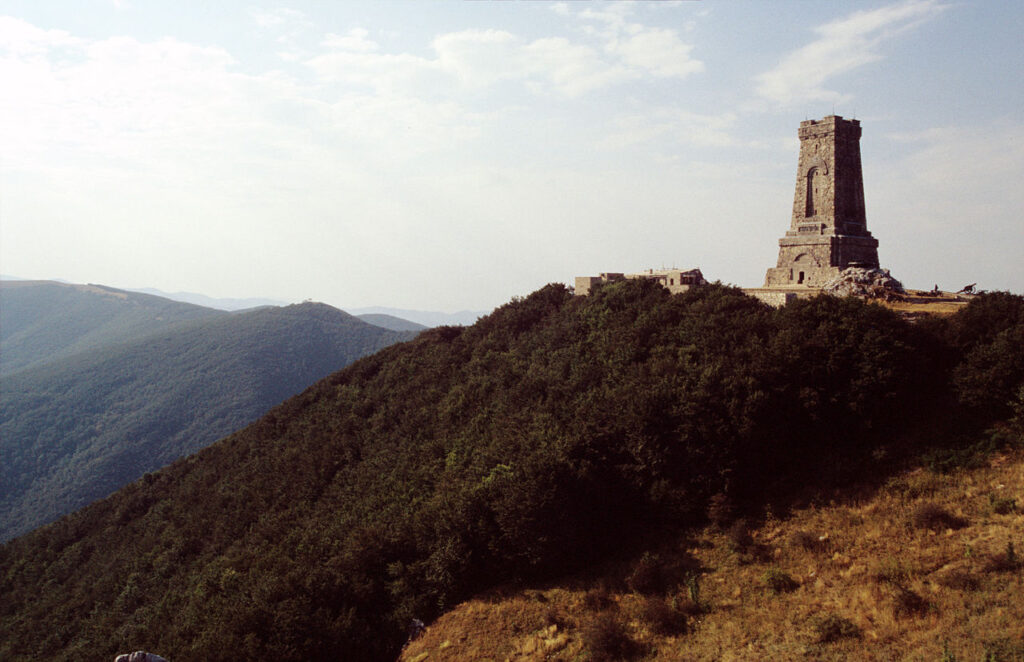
x=917, y=302
x=871, y=584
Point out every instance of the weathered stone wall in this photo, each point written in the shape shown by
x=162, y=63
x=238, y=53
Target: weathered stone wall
x=675, y=280
x=774, y=298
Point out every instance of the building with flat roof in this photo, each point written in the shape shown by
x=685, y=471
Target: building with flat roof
x=675, y=280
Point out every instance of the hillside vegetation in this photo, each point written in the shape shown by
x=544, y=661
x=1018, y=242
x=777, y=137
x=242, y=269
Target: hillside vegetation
x=927, y=566
x=547, y=438
x=76, y=429
x=45, y=321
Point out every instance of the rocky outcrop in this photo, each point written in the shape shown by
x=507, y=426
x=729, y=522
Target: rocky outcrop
x=865, y=282
x=139, y=656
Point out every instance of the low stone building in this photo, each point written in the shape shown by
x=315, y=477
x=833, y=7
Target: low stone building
x=675, y=280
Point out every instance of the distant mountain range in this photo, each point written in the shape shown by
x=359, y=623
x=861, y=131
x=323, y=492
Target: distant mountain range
x=102, y=385
x=374, y=314
x=44, y=321
x=211, y=302
x=422, y=318
x=391, y=322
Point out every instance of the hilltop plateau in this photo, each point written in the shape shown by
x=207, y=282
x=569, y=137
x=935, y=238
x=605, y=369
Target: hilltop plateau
x=554, y=437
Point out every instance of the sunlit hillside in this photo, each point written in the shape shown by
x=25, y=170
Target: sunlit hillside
x=926, y=567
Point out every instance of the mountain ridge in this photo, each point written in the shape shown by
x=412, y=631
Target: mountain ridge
x=77, y=428
x=524, y=447
x=42, y=321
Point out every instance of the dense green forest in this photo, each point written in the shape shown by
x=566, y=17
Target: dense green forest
x=76, y=429
x=528, y=445
x=45, y=321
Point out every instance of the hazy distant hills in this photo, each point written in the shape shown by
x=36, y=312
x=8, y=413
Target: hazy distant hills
x=374, y=315
x=43, y=321
x=212, y=302
x=129, y=382
x=427, y=318
x=391, y=322
x=390, y=318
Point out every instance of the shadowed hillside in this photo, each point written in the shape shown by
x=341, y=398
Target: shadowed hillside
x=548, y=437
x=78, y=428
x=44, y=321
x=391, y=322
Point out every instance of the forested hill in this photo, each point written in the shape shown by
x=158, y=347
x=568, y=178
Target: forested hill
x=391, y=322
x=44, y=321
x=76, y=429
x=536, y=441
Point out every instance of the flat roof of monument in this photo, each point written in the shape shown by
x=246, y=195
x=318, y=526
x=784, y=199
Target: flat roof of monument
x=829, y=119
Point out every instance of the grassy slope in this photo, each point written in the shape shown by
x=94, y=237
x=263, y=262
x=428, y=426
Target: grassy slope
x=920, y=302
x=863, y=546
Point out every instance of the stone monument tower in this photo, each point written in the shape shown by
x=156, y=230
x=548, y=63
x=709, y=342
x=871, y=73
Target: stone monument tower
x=829, y=231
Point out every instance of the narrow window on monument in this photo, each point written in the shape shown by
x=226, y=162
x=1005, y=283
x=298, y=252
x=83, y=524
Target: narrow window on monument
x=809, y=207
x=800, y=280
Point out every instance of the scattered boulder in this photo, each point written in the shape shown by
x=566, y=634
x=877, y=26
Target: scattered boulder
x=865, y=282
x=139, y=656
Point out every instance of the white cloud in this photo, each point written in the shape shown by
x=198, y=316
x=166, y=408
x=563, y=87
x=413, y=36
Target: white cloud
x=475, y=59
x=658, y=51
x=479, y=58
x=639, y=48
x=568, y=68
x=355, y=40
x=952, y=197
x=842, y=46
x=560, y=8
x=20, y=39
x=981, y=161
x=290, y=27
x=611, y=19
x=275, y=18
x=673, y=126
x=386, y=73
x=613, y=51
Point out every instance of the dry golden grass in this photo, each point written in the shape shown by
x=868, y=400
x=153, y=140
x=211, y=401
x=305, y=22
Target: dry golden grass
x=870, y=585
x=919, y=302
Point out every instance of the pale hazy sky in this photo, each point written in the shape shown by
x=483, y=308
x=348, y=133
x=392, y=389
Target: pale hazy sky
x=444, y=155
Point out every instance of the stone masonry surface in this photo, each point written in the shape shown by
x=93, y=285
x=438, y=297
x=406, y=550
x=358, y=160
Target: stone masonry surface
x=828, y=231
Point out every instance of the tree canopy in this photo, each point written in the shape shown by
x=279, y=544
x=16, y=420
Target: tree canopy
x=526, y=445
